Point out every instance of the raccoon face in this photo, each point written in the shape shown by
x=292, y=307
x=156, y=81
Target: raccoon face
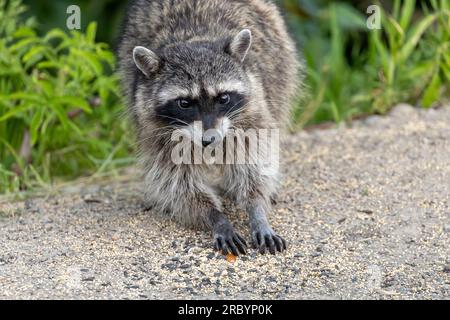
x=198, y=87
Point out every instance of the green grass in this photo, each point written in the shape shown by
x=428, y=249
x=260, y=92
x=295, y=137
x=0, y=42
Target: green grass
x=61, y=115
x=60, y=111
x=354, y=71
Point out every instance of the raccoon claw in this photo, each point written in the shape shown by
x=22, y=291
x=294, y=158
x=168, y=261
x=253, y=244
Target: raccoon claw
x=228, y=241
x=147, y=207
x=268, y=240
x=274, y=200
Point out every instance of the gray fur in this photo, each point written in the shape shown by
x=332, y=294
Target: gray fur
x=192, y=46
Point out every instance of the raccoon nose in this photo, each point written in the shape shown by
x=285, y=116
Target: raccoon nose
x=207, y=141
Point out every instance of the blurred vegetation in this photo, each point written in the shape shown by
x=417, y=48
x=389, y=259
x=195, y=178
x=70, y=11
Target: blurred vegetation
x=107, y=13
x=59, y=104
x=354, y=71
x=60, y=111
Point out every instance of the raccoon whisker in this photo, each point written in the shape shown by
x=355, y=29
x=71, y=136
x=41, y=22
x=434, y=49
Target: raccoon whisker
x=237, y=117
x=162, y=135
x=246, y=114
x=148, y=138
x=234, y=114
x=175, y=119
x=232, y=108
x=237, y=111
x=268, y=101
x=152, y=125
x=255, y=115
x=274, y=101
x=155, y=130
x=157, y=135
x=149, y=134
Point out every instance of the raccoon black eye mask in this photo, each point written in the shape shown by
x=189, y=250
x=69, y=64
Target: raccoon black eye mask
x=184, y=111
x=228, y=66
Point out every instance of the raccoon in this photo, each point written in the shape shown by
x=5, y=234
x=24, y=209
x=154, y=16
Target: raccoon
x=221, y=64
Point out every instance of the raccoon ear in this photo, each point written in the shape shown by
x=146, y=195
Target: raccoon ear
x=146, y=60
x=240, y=45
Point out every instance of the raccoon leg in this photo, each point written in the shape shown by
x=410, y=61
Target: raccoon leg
x=226, y=239
x=263, y=236
x=252, y=189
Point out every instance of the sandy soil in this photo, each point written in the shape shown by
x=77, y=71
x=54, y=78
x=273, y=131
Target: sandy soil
x=365, y=210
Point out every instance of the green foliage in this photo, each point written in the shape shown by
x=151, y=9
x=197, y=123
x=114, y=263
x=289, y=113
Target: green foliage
x=59, y=103
x=354, y=71
x=60, y=111
x=415, y=57
x=107, y=13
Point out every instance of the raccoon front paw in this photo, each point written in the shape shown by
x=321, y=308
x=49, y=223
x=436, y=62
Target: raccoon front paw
x=264, y=238
x=228, y=241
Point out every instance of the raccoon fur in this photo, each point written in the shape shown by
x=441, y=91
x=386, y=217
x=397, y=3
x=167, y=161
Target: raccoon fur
x=226, y=64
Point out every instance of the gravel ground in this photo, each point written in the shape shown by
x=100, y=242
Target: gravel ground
x=365, y=210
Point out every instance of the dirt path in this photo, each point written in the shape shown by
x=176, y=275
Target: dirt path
x=365, y=209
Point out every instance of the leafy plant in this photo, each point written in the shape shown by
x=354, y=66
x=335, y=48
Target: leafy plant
x=59, y=103
x=107, y=13
x=354, y=71
x=416, y=55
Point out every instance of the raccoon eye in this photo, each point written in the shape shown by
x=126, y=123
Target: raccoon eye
x=224, y=99
x=184, y=103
